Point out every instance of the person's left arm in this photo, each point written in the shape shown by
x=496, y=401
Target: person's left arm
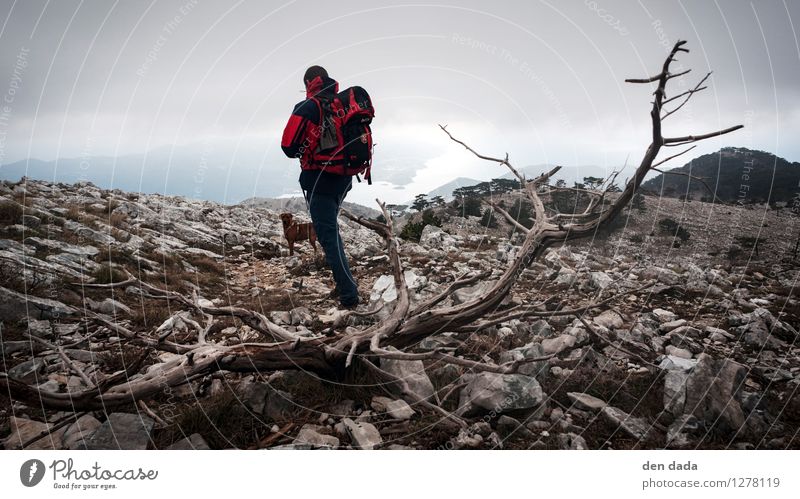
x=297, y=136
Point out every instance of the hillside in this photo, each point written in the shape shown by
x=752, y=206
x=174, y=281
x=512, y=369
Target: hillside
x=101, y=287
x=767, y=177
x=298, y=205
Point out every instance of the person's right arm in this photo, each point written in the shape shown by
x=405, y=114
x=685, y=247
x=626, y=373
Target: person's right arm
x=298, y=135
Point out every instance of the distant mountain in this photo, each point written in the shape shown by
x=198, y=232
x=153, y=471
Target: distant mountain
x=446, y=190
x=768, y=178
x=223, y=175
x=298, y=205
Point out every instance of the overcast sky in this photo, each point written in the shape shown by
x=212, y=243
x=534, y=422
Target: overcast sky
x=541, y=80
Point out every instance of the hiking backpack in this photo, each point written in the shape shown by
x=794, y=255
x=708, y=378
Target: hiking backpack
x=345, y=143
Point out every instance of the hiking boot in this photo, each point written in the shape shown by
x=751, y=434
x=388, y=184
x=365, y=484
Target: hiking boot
x=349, y=306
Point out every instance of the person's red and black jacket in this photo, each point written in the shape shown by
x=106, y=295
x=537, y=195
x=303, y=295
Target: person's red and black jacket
x=301, y=135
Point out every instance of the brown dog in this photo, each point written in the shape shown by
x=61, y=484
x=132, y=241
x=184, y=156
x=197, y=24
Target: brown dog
x=297, y=232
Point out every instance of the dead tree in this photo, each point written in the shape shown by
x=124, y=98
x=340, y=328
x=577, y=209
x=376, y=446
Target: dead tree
x=391, y=338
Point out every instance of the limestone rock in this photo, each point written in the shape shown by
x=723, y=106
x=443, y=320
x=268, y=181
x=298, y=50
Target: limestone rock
x=664, y=316
x=435, y=237
x=538, y=369
x=122, y=431
x=79, y=431
x=711, y=390
x=470, y=293
x=586, y=402
x=413, y=372
x=500, y=393
x=23, y=430
x=195, y=441
x=558, y=344
x=312, y=435
x=609, y=319
x=384, y=289
x=40, y=328
x=15, y=306
x=28, y=371
x=637, y=428
x=680, y=431
x=363, y=435
x=60, y=246
x=395, y=408
x=600, y=280
x=572, y=441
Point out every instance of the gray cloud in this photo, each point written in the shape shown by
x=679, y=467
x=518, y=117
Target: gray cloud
x=541, y=80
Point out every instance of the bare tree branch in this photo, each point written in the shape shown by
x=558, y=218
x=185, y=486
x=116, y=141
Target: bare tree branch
x=671, y=157
x=507, y=216
x=687, y=139
x=688, y=94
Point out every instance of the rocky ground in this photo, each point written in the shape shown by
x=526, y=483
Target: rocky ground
x=705, y=357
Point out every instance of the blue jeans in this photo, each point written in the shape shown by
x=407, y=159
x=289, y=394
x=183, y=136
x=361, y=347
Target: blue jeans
x=324, y=210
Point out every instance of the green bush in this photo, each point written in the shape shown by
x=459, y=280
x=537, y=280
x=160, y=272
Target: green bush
x=430, y=218
x=734, y=252
x=106, y=274
x=637, y=203
x=522, y=211
x=749, y=242
x=673, y=228
x=488, y=219
x=636, y=238
x=10, y=213
x=412, y=231
x=472, y=207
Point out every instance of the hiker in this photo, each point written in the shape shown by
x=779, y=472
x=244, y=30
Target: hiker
x=332, y=146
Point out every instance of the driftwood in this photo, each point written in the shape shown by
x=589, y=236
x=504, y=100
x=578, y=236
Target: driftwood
x=331, y=354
